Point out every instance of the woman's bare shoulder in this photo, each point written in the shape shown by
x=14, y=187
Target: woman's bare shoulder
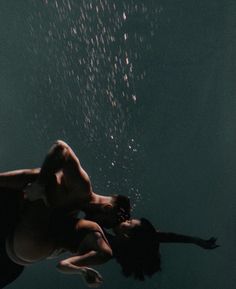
x=93, y=237
x=88, y=225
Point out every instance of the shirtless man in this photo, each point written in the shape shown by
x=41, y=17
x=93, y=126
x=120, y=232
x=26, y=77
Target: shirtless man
x=30, y=197
x=63, y=184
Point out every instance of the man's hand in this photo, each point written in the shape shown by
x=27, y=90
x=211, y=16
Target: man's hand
x=92, y=278
x=208, y=244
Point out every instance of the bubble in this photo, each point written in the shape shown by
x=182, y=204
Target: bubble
x=134, y=98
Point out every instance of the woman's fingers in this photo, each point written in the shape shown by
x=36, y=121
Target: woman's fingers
x=93, y=278
x=211, y=243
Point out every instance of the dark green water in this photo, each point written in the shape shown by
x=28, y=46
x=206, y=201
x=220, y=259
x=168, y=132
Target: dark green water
x=144, y=91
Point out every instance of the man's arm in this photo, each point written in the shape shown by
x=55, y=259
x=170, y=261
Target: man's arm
x=60, y=158
x=164, y=237
x=18, y=179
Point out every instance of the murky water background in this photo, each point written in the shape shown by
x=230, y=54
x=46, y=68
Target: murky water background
x=144, y=92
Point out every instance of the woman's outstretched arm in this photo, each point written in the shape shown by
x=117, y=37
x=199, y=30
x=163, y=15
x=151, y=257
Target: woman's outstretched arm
x=164, y=237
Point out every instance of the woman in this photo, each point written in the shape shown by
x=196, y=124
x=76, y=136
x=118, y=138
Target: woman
x=134, y=245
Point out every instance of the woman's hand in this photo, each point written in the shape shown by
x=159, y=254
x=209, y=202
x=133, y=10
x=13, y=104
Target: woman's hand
x=92, y=278
x=208, y=244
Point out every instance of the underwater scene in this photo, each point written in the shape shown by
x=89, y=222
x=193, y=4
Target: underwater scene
x=143, y=92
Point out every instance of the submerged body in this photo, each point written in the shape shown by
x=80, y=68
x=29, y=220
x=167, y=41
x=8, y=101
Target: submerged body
x=63, y=184
x=44, y=225
x=29, y=196
x=35, y=239
x=134, y=245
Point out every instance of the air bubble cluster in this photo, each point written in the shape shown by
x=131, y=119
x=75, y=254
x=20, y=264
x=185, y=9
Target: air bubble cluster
x=85, y=55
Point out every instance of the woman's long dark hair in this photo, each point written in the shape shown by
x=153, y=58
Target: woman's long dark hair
x=139, y=254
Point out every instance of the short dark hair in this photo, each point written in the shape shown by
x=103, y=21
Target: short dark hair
x=139, y=254
x=122, y=205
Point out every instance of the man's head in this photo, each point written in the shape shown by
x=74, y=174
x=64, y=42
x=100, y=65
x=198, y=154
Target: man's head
x=121, y=207
x=111, y=213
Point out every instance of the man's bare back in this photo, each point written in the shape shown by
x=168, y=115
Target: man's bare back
x=63, y=183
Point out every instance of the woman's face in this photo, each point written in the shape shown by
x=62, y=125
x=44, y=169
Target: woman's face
x=125, y=227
